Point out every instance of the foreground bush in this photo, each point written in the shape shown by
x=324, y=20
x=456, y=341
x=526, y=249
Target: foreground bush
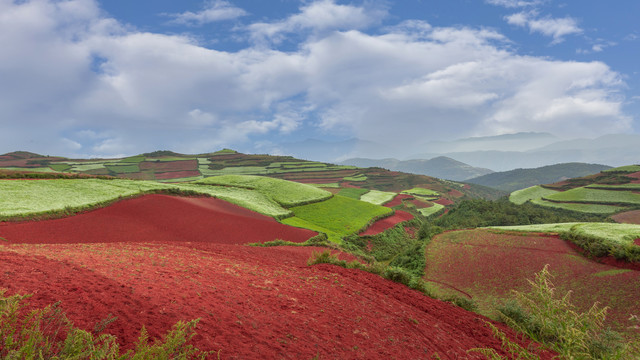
x=555, y=322
x=48, y=334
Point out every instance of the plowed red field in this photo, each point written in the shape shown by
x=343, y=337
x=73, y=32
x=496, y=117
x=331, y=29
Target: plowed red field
x=629, y=217
x=398, y=200
x=487, y=266
x=154, y=218
x=253, y=302
x=388, y=222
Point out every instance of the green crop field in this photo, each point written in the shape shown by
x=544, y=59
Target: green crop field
x=356, y=178
x=585, y=208
x=635, y=187
x=133, y=159
x=337, y=217
x=235, y=170
x=625, y=169
x=181, y=180
x=421, y=192
x=586, y=195
x=60, y=167
x=330, y=185
x=431, y=210
x=354, y=193
x=24, y=198
x=285, y=193
x=123, y=169
x=531, y=193
x=38, y=169
x=378, y=197
x=82, y=167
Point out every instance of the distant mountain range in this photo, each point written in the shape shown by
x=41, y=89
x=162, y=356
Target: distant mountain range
x=441, y=167
x=499, y=153
x=522, y=178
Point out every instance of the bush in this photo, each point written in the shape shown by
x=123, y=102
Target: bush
x=47, y=333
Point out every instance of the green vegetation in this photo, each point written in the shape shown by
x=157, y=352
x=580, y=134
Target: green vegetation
x=354, y=193
x=421, y=192
x=478, y=213
x=585, y=208
x=635, y=187
x=356, y=178
x=624, y=169
x=337, y=217
x=598, y=239
x=24, y=198
x=133, y=159
x=31, y=169
x=83, y=167
x=60, y=167
x=378, y=197
x=532, y=193
x=236, y=170
x=431, y=210
x=285, y=193
x=554, y=321
x=328, y=186
x=586, y=195
x=47, y=333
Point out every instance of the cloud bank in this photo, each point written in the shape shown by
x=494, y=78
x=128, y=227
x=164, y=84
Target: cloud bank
x=77, y=82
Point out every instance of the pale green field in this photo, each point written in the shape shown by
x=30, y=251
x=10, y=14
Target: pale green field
x=615, y=187
x=586, y=208
x=627, y=169
x=587, y=195
x=36, y=197
x=286, y=193
x=431, y=210
x=421, y=192
x=378, y=197
x=37, y=169
x=520, y=197
x=236, y=170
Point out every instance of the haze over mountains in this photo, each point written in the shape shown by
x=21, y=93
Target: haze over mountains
x=498, y=153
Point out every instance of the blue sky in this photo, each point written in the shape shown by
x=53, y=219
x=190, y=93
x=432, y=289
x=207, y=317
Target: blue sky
x=107, y=78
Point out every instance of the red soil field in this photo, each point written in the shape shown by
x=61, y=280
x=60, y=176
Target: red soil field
x=387, y=223
x=635, y=175
x=443, y=201
x=349, y=185
x=455, y=193
x=153, y=218
x=18, y=163
x=488, y=266
x=177, y=174
x=629, y=217
x=252, y=302
x=398, y=200
x=162, y=166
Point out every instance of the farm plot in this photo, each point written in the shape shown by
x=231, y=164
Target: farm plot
x=353, y=193
x=378, y=197
x=520, y=197
x=337, y=217
x=153, y=218
x=421, y=192
x=285, y=193
x=428, y=211
x=251, y=302
x=387, y=223
x=629, y=217
x=586, y=195
x=486, y=266
x=165, y=166
x=586, y=208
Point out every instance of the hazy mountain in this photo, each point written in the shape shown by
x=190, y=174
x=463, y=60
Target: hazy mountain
x=522, y=178
x=510, y=142
x=441, y=167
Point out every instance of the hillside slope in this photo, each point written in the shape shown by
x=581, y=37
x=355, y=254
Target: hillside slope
x=440, y=167
x=522, y=178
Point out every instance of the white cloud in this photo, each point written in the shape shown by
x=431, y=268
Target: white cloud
x=557, y=28
x=408, y=84
x=515, y=3
x=216, y=10
x=318, y=16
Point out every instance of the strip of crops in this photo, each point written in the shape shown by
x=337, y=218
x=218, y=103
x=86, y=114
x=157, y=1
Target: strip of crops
x=421, y=191
x=520, y=197
x=354, y=193
x=585, y=208
x=615, y=187
x=235, y=170
x=428, y=211
x=626, y=169
x=337, y=217
x=31, y=169
x=378, y=197
x=285, y=193
x=586, y=195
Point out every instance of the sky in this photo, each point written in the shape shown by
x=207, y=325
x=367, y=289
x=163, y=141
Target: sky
x=106, y=78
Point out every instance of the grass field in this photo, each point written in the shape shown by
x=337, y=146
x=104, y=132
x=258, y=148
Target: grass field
x=428, y=211
x=421, y=192
x=586, y=208
x=378, y=197
x=337, y=217
x=354, y=193
x=625, y=169
x=586, y=195
x=635, y=187
x=624, y=234
x=26, y=198
x=531, y=193
x=285, y=193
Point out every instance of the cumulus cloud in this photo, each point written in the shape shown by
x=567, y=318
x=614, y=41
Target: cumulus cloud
x=318, y=16
x=217, y=10
x=557, y=28
x=406, y=84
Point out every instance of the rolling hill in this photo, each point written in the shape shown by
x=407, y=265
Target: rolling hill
x=517, y=179
x=440, y=167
